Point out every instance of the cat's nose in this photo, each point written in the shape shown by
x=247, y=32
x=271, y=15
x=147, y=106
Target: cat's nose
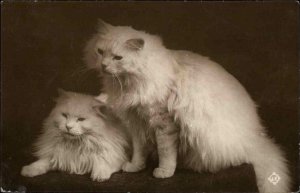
x=68, y=127
x=104, y=68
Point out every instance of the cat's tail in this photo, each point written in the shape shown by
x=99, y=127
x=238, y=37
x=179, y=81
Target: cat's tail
x=270, y=167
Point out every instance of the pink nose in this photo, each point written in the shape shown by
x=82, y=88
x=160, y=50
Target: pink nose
x=68, y=127
x=104, y=69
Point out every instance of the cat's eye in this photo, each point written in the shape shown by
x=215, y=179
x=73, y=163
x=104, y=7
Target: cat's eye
x=64, y=115
x=80, y=119
x=100, y=51
x=117, y=57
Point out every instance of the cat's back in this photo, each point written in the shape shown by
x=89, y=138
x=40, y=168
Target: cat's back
x=198, y=64
x=200, y=72
x=205, y=84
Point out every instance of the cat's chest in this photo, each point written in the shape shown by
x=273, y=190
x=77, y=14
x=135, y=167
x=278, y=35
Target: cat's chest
x=73, y=157
x=153, y=116
x=148, y=111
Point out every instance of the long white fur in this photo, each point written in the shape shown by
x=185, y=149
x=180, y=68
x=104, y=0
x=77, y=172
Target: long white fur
x=100, y=146
x=219, y=124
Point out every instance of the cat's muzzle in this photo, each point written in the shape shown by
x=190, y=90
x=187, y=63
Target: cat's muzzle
x=105, y=71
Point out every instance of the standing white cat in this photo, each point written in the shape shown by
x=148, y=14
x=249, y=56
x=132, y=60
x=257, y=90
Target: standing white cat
x=182, y=101
x=80, y=136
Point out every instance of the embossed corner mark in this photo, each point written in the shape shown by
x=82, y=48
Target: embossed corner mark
x=274, y=178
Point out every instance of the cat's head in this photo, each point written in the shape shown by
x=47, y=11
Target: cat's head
x=121, y=50
x=76, y=115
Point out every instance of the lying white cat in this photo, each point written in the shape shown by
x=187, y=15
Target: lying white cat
x=80, y=136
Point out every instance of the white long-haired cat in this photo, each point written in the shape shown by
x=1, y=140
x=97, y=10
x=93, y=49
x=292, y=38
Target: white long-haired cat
x=80, y=136
x=186, y=104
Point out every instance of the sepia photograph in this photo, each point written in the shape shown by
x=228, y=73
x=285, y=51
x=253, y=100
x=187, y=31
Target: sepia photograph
x=128, y=96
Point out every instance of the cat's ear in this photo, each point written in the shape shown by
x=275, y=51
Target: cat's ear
x=99, y=105
x=103, y=27
x=135, y=44
x=61, y=92
x=101, y=110
x=102, y=98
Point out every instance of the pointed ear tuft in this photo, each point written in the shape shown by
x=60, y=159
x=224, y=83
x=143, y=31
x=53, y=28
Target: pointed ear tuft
x=135, y=44
x=61, y=92
x=103, y=27
x=102, y=98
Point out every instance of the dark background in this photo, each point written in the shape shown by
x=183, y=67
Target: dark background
x=42, y=49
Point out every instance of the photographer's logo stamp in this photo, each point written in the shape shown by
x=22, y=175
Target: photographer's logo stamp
x=274, y=178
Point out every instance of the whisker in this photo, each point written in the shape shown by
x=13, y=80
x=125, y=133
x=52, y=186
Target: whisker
x=83, y=71
x=113, y=80
x=80, y=70
x=119, y=83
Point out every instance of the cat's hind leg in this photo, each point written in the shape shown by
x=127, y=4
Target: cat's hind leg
x=39, y=167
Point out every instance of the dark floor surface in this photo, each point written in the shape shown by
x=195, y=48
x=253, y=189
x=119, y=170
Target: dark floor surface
x=241, y=179
x=237, y=179
x=42, y=49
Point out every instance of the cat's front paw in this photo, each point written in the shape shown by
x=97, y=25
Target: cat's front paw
x=100, y=177
x=132, y=167
x=31, y=171
x=163, y=173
